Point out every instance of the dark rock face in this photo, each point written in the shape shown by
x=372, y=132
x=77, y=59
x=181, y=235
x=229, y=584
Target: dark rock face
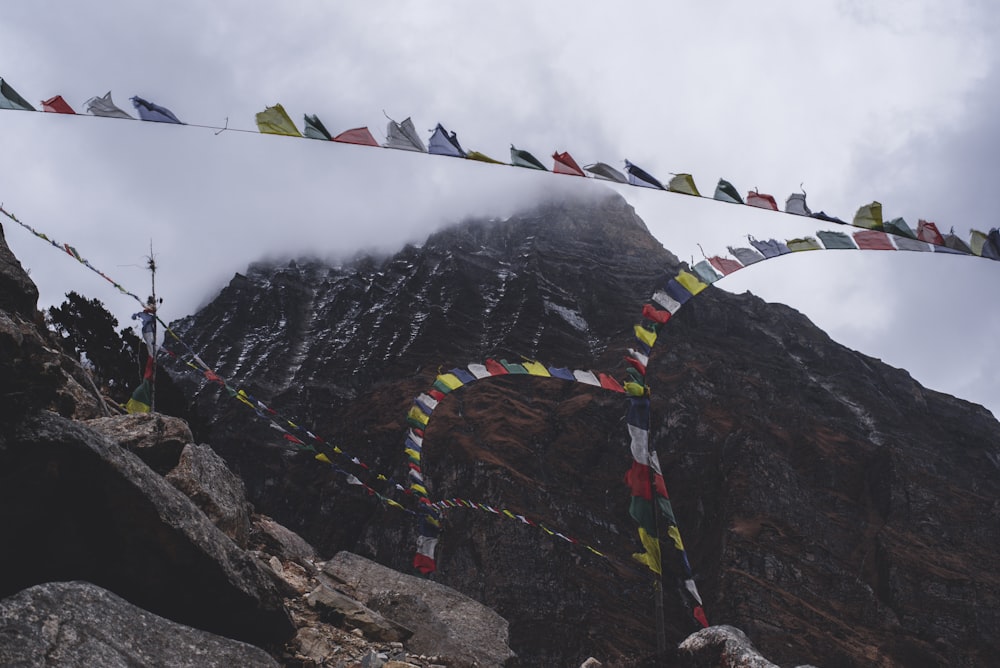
x=74, y=506
x=79, y=624
x=833, y=508
x=18, y=294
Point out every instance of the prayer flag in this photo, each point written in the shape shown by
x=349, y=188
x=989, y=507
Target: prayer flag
x=361, y=136
x=275, y=121
x=153, y=112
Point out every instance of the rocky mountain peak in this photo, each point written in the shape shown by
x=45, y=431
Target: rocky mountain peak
x=819, y=491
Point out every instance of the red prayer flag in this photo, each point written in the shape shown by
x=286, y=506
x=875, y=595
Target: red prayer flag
x=929, y=232
x=495, y=368
x=873, y=240
x=725, y=266
x=356, y=136
x=609, y=383
x=565, y=164
x=57, y=105
x=656, y=315
x=637, y=479
x=761, y=201
x=639, y=366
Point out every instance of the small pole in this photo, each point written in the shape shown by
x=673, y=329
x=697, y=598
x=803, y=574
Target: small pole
x=661, y=631
x=151, y=308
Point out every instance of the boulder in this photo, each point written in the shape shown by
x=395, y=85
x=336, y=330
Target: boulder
x=280, y=541
x=157, y=439
x=444, y=622
x=75, y=506
x=721, y=647
x=205, y=479
x=342, y=610
x=81, y=624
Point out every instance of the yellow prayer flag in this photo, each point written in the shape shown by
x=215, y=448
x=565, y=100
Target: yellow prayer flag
x=323, y=458
x=275, y=121
x=634, y=389
x=651, y=557
x=675, y=534
x=418, y=415
x=977, y=241
x=644, y=335
x=482, y=157
x=690, y=282
x=450, y=380
x=536, y=369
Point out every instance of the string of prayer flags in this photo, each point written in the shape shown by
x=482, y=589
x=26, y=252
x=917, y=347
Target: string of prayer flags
x=403, y=136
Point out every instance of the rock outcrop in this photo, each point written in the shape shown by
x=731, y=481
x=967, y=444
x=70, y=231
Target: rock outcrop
x=80, y=624
x=76, y=506
x=442, y=621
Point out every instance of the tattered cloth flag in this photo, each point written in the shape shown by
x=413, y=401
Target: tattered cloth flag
x=684, y=184
x=154, y=112
x=565, y=164
x=361, y=136
x=313, y=128
x=148, y=321
x=899, y=227
x=104, y=106
x=9, y=99
x=761, y=201
x=796, y=205
x=57, y=105
x=726, y=192
x=606, y=172
x=275, y=121
x=482, y=157
x=403, y=136
x=520, y=158
x=640, y=177
x=869, y=216
x=770, y=248
x=443, y=143
x=142, y=398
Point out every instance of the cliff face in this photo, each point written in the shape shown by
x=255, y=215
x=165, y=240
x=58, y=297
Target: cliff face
x=834, y=509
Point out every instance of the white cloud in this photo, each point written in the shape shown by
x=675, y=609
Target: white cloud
x=856, y=101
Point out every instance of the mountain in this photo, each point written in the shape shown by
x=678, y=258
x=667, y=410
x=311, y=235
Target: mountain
x=832, y=507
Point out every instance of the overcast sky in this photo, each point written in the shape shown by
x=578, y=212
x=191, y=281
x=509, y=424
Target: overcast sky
x=851, y=101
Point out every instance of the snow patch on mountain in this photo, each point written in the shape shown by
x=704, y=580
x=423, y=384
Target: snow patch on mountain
x=571, y=316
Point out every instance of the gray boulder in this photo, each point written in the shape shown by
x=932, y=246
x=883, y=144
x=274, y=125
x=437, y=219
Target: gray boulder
x=80, y=624
x=205, y=479
x=342, y=610
x=74, y=506
x=721, y=647
x=280, y=541
x=444, y=622
x=157, y=439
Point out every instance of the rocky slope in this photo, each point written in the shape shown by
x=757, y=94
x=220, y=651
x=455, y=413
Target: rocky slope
x=126, y=543
x=833, y=508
